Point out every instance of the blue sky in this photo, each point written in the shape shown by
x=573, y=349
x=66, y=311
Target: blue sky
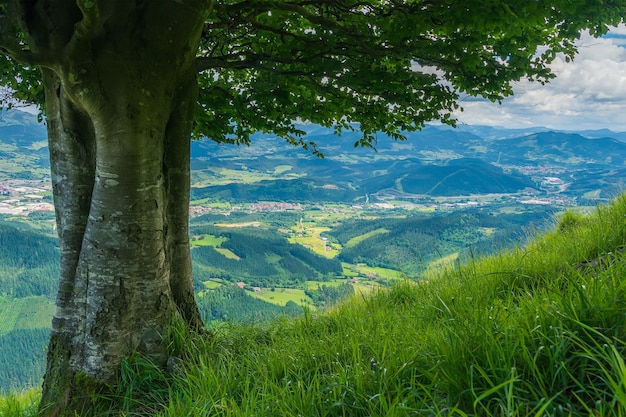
x=588, y=93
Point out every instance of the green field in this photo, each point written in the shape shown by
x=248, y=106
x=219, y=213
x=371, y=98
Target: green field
x=371, y=272
x=378, y=273
x=228, y=253
x=281, y=296
x=310, y=236
x=207, y=240
x=36, y=313
x=24, y=313
x=221, y=176
x=358, y=239
x=211, y=285
x=10, y=309
x=313, y=285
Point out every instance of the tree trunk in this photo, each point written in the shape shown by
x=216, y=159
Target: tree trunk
x=121, y=189
x=119, y=149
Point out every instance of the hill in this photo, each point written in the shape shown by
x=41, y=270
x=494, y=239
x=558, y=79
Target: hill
x=588, y=164
x=536, y=330
x=356, y=219
x=435, y=162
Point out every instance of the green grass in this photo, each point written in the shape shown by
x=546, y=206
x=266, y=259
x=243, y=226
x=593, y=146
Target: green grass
x=378, y=272
x=24, y=313
x=20, y=404
x=312, y=239
x=370, y=272
x=228, y=253
x=208, y=240
x=531, y=332
x=349, y=270
x=36, y=313
x=358, y=239
x=211, y=285
x=10, y=309
x=281, y=296
x=536, y=331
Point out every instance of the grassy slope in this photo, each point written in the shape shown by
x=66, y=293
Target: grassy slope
x=539, y=330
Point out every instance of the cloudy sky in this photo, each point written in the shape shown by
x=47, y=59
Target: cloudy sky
x=588, y=93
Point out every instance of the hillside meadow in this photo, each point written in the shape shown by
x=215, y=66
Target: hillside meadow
x=538, y=330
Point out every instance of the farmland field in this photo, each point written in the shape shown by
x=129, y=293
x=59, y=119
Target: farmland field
x=281, y=296
x=207, y=240
x=10, y=309
x=24, y=313
x=358, y=239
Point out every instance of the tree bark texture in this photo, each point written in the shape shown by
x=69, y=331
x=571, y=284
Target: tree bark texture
x=120, y=101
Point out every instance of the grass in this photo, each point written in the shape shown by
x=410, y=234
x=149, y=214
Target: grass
x=378, y=272
x=228, y=253
x=208, y=240
x=281, y=296
x=35, y=313
x=10, y=309
x=211, y=285
x=536, y=331
x=313, y=240
x=24, y=313
x=20, y=404
x=358, y=239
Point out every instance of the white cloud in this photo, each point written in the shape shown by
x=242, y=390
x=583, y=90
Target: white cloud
x=588, y=93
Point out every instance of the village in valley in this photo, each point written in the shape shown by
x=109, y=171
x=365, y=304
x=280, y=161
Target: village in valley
x=22, y=197
x=19, y=197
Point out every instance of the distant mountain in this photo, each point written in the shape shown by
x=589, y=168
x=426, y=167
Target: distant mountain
x=296, y=190
x=564, y=149
x=23, y=142
x=461, y=177
x=437, y=161
x=464, y=176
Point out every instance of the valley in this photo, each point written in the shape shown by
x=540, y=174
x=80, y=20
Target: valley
x=275, y=230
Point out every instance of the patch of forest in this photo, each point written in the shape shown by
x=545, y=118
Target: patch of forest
x=295, y=190
x=410, y=244
x=22, y=358
x=263, y=258
x=28, y=262
x=230, y=303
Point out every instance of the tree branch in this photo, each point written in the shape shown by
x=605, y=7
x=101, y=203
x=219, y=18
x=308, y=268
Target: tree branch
x=86, y=27
x=11, y=43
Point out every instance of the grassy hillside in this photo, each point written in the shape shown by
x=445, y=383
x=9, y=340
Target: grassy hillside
x=538, y=330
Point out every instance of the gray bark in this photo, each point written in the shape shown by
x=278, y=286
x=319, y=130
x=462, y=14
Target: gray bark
x=121, y=189
x=119, y=116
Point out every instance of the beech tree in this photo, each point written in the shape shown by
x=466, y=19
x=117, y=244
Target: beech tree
x=125, y=84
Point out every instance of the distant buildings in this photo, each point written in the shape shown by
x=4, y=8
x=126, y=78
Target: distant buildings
x=26, y=196
x=274, y=206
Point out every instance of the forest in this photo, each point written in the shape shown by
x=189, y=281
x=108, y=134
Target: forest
x=281, y=278
x=278, y=256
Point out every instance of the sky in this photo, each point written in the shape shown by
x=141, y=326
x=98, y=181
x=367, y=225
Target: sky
x=588, y=93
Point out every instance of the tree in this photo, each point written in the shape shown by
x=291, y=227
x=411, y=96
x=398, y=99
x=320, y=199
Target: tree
x=125, y=84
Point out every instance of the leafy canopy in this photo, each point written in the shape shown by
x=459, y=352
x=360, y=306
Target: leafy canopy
x=388, y=65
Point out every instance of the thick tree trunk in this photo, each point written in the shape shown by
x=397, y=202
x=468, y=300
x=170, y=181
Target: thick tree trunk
x=121, y=188
x=119, y=125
